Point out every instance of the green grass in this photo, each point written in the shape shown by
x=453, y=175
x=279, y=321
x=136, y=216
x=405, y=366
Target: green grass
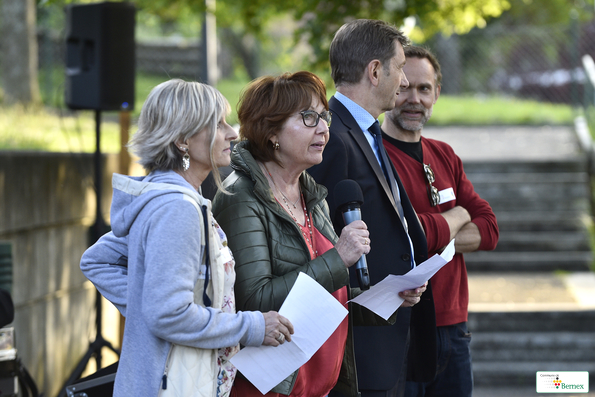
x=41, y=129
x=473, y=110
x=65, y=131
x=62, y=130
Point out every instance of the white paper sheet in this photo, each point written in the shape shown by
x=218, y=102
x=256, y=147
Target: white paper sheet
x=383, y=298
x=315, y=315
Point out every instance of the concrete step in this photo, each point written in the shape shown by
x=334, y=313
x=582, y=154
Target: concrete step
x=512, y=187
x=535, y=196
x=533, y=346
x=578, y=164
x=536, y=241
x=533, y=321
x=521, y=328
x=519, y=221
x=533, y=203
x=491, y=261
x=534, y=178
x=522, y=374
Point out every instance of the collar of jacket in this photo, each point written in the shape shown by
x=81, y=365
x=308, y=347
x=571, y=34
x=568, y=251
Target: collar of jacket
x=243, y=161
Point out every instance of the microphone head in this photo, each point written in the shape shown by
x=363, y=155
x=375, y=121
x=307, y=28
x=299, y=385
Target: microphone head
x=347, y=192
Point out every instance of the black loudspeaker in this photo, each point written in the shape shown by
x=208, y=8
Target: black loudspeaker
x=100, y=56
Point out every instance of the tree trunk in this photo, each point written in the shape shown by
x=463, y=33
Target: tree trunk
x=245, y=46
x=19, y=52
x=449, y=53
x=209, y=69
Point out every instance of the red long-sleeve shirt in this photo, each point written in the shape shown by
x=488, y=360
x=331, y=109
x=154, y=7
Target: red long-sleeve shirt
x=449, y=285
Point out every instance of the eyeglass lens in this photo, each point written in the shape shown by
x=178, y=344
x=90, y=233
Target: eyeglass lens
x=311, y=118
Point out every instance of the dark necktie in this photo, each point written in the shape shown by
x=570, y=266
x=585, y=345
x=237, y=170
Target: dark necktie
x=387, y=169
x=390, y=177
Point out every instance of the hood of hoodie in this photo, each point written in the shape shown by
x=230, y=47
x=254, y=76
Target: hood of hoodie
x=132, y=194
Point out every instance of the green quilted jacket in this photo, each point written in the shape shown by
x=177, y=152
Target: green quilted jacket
x=269, y=249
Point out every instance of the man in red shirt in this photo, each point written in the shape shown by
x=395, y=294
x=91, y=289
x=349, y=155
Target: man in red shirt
x=448, y=207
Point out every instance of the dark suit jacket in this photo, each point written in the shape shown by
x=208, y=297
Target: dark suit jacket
x=380, y=351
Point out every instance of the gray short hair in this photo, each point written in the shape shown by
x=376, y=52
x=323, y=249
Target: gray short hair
x=176, y=109
x=359, y=42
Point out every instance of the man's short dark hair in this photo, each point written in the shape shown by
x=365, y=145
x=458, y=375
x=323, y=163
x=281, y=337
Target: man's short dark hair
x=359, y=42
x=421, y=53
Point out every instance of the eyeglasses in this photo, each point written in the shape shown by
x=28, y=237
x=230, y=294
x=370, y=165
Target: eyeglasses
x=311, y=118
x=433, y=194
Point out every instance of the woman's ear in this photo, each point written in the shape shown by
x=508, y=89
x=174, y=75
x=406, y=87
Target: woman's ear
x=180, y=144
x=275, y=142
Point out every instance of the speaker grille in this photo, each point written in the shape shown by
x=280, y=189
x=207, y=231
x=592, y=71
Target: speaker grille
x=100, y=56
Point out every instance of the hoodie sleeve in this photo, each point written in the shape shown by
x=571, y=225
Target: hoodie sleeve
x=105, y=264
x=173, y=254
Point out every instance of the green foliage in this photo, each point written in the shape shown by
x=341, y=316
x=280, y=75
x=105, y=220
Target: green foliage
x=246, y=25
x=318, y=19
x=322, y=19
x=539, y=12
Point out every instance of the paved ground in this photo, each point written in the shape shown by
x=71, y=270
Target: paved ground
x=532, y=291
x=508, y=143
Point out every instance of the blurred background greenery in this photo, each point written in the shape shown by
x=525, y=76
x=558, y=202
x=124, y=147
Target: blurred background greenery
x=505, y=62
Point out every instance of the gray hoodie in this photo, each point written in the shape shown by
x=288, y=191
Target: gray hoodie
x=147, y=267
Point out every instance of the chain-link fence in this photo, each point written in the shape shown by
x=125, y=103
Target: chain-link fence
x=542, y=63
x=527, y=62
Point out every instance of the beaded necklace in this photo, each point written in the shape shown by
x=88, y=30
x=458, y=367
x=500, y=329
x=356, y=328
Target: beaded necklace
x=310, y=241
x=309, y=238
x=285, y=199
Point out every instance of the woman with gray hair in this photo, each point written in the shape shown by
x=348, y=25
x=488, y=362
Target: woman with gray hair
x=166, y=265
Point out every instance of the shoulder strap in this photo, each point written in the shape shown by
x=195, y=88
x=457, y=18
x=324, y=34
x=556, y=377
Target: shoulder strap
x=205, y=216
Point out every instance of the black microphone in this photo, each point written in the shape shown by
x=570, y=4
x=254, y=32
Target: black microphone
x=348, y=199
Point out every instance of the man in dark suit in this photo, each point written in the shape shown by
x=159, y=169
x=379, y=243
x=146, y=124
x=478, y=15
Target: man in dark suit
x=367, y=62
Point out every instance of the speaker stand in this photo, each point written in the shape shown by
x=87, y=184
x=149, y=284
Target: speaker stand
x=98, y=229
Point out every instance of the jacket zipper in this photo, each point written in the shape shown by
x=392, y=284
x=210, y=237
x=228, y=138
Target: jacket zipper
x=164, y=377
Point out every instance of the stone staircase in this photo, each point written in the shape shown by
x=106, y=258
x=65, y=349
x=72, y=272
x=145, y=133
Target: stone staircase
x=542, y=209
x=508, y=348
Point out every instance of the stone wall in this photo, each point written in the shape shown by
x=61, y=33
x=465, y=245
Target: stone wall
x=47, y=207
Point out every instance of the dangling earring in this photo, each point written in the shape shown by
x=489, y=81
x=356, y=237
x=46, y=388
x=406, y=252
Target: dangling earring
x=185, y=159
x=276, y=146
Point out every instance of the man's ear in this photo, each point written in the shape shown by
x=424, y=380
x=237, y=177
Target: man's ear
x=438, y=89
x=373, y=71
